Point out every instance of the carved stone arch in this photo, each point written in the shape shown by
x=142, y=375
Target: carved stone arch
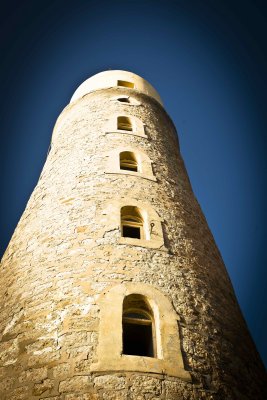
x=169, y=357
x=153, y=233
x=138, y=127
x=145, y=163
x=111, y=221
x=152, y=225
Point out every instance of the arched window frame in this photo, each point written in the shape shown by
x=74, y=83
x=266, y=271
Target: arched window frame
x=110, y=355
x=129, y=162
x=137, y=125
x=139, y=316
x=125, y=123
x=151, y=235
x=132, y=219
x=111, y=220
x=144, y=163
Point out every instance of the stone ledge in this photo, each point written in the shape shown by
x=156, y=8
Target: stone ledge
x=132, y=133
x=126, y=363
x=137, y=174
x=152, y=244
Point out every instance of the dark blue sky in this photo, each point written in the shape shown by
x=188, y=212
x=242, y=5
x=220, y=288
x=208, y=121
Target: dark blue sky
x=207, y=59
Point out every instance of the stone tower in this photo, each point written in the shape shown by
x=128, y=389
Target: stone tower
x=112, y=287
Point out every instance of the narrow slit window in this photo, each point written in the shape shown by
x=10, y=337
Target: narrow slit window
x=128, y=161
x=138, y=327
x=125, y=84
x=124, y=124
x=124, y=100
x=132, y=224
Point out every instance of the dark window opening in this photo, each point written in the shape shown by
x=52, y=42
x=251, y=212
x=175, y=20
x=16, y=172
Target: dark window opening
x=126, y=84
x=131, y=231
x=124, y=124
x=128, y=161
x=129, y=168
x=123, y=100
x=138, y=328
x=137, y=340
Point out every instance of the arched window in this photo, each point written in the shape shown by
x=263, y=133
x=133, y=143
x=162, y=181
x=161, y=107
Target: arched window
x=128, y=161
x=124, y=124
x=132, y=223
x=138, y=332
x=138, y=329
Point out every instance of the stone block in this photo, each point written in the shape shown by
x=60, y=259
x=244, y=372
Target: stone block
x=6, y=384
x=85, y=396
x=44, y=358
x=79, y=353
x=53, y=398
x=146, y=385
x=42, y=345
x=82, y=366
x=110, y=382
x=9, y=352
x=40, y=388
x=118, y=395
x=33, y=375
x=75, y=384
x=21, y=393
x=75, y=339
x=61, y=370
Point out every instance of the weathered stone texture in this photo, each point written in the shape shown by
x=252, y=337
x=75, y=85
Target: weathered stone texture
x=65, y=253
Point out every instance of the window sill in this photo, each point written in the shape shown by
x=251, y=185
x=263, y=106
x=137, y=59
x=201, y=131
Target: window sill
x=137, y=174
x=126, y=104
x=152, y=244
x=133, y=133
x=141, y=364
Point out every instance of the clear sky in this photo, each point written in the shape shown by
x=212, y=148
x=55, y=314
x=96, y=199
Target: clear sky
x=207, y=59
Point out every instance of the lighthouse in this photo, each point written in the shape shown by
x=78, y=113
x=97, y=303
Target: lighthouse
x=112, y=287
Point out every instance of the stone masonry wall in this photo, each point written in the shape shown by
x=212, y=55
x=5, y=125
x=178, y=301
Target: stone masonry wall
x=64, y=253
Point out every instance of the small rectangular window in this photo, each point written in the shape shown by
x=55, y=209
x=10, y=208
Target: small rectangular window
x=126, y=84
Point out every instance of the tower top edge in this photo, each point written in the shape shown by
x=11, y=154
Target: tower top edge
x=115, y=78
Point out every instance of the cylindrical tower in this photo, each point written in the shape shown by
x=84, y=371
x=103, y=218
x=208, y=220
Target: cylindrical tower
x=112, y=285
